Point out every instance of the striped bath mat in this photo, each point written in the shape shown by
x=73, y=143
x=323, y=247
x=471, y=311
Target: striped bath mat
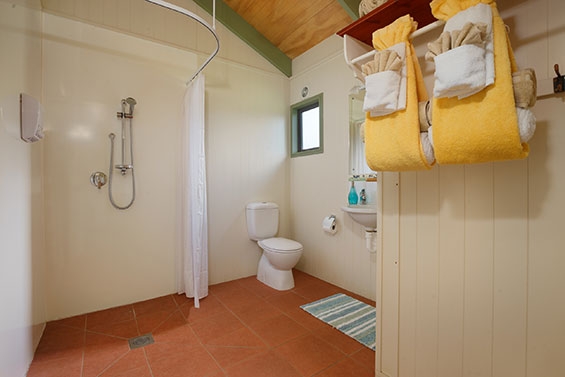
x=350, y=316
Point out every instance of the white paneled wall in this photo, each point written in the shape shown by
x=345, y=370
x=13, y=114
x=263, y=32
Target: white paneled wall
x=319, y=185
x=99, y=257
x=472, y=265
x=22, y=254
x=149, y=21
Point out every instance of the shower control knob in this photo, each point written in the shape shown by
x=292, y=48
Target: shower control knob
x=98, y=179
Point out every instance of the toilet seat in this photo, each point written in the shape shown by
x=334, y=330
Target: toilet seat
x=280, y=245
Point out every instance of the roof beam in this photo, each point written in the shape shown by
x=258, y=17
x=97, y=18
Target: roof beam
x=351, y=7
x=247, y=33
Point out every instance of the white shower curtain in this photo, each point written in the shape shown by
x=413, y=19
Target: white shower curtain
x=192, y=276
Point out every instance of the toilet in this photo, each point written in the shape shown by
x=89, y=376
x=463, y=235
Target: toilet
x=280, y=255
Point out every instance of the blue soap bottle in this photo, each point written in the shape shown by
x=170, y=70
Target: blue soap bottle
x=353, y=198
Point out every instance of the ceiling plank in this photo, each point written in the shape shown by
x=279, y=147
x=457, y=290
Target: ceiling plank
x=351, y=7
x=237, y=25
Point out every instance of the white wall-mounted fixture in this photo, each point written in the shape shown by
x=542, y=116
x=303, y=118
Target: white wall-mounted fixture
x=21, y=116
x=366, y=215
x=31, y=119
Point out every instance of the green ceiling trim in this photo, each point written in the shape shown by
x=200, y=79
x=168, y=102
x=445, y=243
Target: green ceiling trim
x=351, y=7
x=247, y=33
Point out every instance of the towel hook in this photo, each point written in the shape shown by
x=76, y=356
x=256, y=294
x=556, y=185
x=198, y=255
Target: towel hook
x=559, y=81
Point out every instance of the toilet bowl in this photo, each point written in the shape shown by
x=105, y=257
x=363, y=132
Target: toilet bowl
x=280, y=255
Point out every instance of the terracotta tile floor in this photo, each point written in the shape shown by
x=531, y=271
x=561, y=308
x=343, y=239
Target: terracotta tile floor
x=243, y=328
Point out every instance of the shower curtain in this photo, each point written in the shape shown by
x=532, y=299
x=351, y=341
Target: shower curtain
x=192, y=276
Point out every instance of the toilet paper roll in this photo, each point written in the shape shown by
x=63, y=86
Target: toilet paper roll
x=328, y=225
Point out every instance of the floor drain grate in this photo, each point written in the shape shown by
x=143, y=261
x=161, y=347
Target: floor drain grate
x=140, y=341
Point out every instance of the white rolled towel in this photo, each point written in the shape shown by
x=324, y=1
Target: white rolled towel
x=427, y=147
x=526, y=124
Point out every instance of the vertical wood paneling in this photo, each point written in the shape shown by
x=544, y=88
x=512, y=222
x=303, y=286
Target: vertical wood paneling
x=408, y=276
x=510, y=268
x=451, y=270
x=388, y=355
x=546, y=256
x=427, y=274
x=477, y=341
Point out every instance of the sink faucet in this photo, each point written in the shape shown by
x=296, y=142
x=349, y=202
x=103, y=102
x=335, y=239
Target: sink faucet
x=363, y=197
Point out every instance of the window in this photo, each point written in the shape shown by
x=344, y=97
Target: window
x=306, y=127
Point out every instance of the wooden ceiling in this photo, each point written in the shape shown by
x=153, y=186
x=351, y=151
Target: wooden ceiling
x=280, y=30
x=293, y=26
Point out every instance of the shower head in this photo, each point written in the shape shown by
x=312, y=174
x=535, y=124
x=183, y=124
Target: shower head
x=131, y=102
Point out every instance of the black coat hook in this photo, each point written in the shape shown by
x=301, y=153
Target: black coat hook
x=559, y=81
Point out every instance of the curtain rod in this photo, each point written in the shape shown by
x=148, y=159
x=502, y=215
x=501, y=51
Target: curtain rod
x=187, y=13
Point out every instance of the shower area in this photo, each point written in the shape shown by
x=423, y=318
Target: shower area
x=96, y=78
x=116, y=242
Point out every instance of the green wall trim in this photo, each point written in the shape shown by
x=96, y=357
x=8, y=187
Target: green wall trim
x=351, y=7
x=247, y=33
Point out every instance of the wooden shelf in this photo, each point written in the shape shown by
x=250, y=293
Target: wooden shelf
x=363, y=28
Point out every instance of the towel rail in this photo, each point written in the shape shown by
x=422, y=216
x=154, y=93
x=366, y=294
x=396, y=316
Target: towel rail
x=356, y=52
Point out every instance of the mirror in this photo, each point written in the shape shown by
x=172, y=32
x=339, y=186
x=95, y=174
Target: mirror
x=357, y=163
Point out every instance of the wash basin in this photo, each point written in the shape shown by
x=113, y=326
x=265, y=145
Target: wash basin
x=364, y=214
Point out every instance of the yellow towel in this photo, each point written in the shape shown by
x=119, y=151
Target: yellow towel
x=392, y=142
x=484, y=126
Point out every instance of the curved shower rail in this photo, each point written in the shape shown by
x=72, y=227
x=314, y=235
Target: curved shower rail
x=187, y=13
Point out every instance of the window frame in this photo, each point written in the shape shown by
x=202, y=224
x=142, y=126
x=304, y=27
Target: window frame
x=296, y=129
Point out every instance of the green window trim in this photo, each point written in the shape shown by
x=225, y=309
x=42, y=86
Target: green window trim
x=296, y=130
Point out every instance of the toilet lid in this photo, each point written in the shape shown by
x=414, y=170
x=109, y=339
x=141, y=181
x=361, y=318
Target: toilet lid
x=280, y=245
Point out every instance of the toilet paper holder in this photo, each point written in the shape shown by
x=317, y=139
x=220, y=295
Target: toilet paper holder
x=329, y=224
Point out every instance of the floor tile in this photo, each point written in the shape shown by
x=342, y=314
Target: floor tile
x=263, y=365
x=108, y=316
x=132, y=362
x=216, y=326
x=316, y=290
x=228, y=356
x=305, y=319
x=164, y=303
x=257, y=288
x=278, y=330
x=175, y=330
x=309, y=354
x=365, y=357
x=126, y=329
x=339, y=340
x=193, y=361
x=261, y=311
x=68, y=367
x=242, y=328
x=78, y=322
x=102, y=351
x=346, y=368
x=209, y=306
x=60, y=342
x=288, y=301
x=239, y=338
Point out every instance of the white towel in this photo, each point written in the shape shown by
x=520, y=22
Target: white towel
x=385, y=92
x=381, y=94
x=480, y=13
x=460, y=72
x=526, y=124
